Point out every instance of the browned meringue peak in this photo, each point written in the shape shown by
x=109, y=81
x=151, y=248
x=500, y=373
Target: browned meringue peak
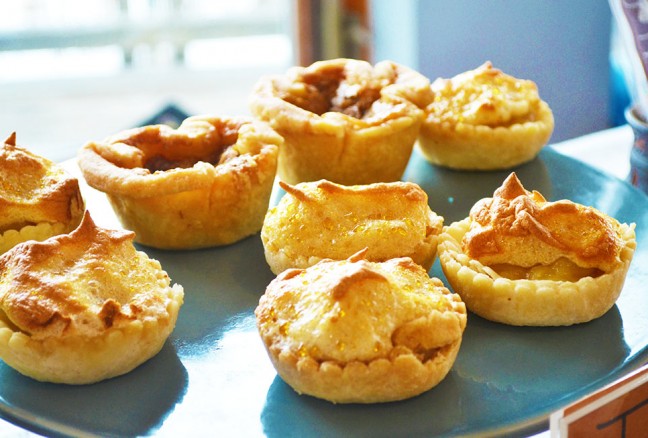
x=522, y=228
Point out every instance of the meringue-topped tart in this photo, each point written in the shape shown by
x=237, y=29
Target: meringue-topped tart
x=321, y=219
x=355, y=331
x=82, y=307
x=38, y=199
x=523, y=260
x=484, y=119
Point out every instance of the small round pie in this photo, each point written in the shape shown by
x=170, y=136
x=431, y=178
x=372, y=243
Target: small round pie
x=354, y=331
x=207, y=183
x=323, y=220
x=484, y=119
x=38, y=199
x=83, y=307
x=343, y=120
x=521, y=260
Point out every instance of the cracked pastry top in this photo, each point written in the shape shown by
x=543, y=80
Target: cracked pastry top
x=343, y=120
x=522, y=260
x=206, y=183
x=38, y=199
x=318, y=220
x=484, y=119
x=82, y=307
x=354, y=331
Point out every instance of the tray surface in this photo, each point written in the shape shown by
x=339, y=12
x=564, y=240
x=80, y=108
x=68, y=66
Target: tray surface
x=213, y=374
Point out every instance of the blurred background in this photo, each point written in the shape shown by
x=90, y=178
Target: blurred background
x=79, y=70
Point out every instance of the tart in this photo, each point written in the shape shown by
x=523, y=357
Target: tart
x=354, y=331
x=38, y=199
x=343, y=120
x=319, y=220
x=519, y=259
x=206, y=183
x=83, y=307
x=484, y=119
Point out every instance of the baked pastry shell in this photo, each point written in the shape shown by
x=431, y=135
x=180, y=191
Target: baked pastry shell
x=480, y=147
x=39, y=231
x=376, y=381
x=78, y=360
x=200, y=206
x=337, y=147
x=529, y=302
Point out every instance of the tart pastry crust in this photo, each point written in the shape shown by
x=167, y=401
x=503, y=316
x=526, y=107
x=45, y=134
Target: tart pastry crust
x=354, y=331
x=204, y=184
x=82, y=307
x=521, y=230
x=320, y=220
x=343, y=120
x=38, y=199
x=484, y=119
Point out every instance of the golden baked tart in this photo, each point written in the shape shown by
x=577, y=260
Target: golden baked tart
x=522, y=260
x=354, y=331
x=204, y=184
x=323, y=220
x=82, y=307
x=38, y=199
x=343, y=120
x=484, y=119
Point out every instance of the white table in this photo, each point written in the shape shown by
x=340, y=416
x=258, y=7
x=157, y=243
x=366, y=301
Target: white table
x=607, y=150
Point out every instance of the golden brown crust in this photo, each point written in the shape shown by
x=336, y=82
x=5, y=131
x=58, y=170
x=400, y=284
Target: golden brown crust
x=343, y=120
x=82, y=291
x=321, y=219
x=35, y=192
x=483, y=119
x=207, y=183
x=521, y=228
x=354, y=331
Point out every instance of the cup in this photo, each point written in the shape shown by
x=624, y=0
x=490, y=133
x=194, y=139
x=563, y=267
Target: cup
x=639, y=152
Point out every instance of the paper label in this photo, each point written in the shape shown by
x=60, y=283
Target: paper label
x=618, y=410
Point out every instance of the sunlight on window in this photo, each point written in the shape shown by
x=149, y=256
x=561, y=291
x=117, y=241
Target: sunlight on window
x=42, y=39
x=60, y=63
x=84, y=69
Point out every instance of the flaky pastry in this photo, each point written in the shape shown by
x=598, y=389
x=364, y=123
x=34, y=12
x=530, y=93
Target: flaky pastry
x=82, y=307
x=354, y=331
x=38, y=199
x=204, y=184
x=522, y=260
x=319, y=220
x=343, y=120
x=484, y=119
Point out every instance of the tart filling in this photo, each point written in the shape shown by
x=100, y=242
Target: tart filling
x=354, y=331
x=319, y=220
x=521, y=260
x=207, y=183
x=484, y=119
x=343, y=120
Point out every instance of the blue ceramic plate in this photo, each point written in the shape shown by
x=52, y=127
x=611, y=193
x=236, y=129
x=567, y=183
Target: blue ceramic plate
x=213, y=376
